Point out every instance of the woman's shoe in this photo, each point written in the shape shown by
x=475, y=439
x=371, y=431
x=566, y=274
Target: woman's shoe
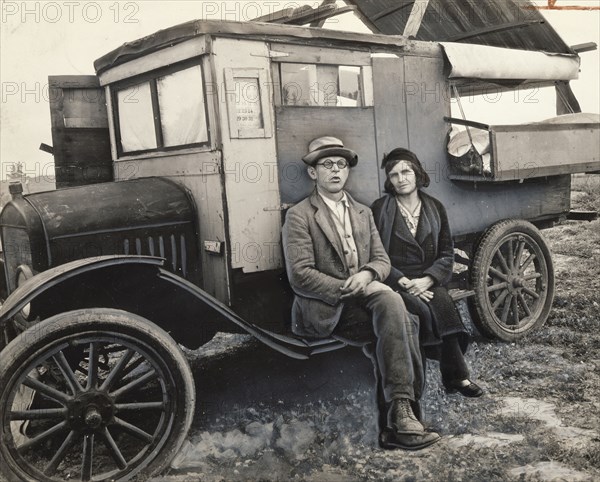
x=466, y=388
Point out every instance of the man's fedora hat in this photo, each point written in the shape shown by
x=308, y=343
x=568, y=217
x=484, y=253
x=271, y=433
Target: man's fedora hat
x=328, y=146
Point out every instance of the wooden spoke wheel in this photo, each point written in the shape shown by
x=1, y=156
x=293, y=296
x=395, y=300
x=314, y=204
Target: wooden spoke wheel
x=513, y=279
x=93, y=395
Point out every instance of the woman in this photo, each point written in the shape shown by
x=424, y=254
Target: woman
x=415, y=232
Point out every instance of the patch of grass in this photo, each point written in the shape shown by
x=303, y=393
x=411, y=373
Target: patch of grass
x=513, y=424
x=587, y=202
x=571, y=317
x=474, y=464
x=583, y=459
x=575, y=238
x=592, y=455
x=587, y=188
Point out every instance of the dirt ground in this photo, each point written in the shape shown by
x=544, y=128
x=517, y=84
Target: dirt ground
x=262, y=416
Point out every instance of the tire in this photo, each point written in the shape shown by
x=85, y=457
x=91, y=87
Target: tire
x=3, y=287
x=512, y=276
x=96, y=393
x=6, y=331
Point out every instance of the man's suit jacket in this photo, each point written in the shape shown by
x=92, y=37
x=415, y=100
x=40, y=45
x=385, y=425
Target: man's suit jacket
x=316, y=265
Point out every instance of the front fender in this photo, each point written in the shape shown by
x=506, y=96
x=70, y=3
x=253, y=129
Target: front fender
x=136, y=284
x=38, y=284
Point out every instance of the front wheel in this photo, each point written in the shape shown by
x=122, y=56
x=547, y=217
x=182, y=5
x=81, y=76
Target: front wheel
x=513, y=279
x=97, y=394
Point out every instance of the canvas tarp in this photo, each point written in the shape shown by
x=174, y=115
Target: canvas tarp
x=494, y=63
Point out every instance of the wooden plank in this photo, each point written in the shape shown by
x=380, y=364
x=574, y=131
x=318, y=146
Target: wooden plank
x=111, y=124
x=546, y=127
x=176, y=53
x=46, y=148
x=318, y=55
x=319, y=23
x=56, y=112
x=493, y=29
x=415, y=18
x=73, y=81
x=566, y=102
x=278, y=16
x=388, y=11
x=320, y=15
x=84, y=122
x=524, y=152
x=367, y=86
x=390, y=107
x=75, y=163
x=213, y=100
x=76, y=142
x=276, y=78
x=297, y=126
x=584, y=47
x=459, y=294
x=427, y=97
x=176, y=163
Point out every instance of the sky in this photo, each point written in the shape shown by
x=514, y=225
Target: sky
x=38, y=39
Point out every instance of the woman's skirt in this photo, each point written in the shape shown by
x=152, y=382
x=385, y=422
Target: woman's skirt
x=438, y=318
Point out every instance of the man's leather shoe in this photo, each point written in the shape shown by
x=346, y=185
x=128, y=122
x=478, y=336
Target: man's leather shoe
x=468, y=389
x=402, y=418
x=390, y=440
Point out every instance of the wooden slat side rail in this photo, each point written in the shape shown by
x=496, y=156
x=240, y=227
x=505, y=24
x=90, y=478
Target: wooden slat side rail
x=464, y=122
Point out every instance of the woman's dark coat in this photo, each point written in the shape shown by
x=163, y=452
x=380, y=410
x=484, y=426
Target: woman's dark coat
x=429, y=252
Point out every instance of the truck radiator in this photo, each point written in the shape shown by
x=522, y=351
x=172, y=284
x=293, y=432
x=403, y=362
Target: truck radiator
x=172, y=247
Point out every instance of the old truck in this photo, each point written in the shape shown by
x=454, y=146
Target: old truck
x=176, y=163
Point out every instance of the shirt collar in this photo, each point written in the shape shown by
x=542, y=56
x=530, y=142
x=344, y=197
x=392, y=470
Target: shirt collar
x=417, y=210
x=333, y=204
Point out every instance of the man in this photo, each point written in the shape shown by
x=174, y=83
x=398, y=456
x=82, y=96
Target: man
x=336, y=264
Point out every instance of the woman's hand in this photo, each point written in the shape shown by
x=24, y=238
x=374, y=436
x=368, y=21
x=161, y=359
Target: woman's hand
x=426, y=296
x=418, y=287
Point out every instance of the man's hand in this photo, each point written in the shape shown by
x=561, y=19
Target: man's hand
x=403, y=283
x=356, y=284
x=418, y=287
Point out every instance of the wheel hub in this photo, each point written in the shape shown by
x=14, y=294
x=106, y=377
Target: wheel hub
x=515, y=282
x=90, y=411
x=93, y=418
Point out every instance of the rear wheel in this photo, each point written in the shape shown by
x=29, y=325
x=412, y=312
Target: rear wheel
x=96, y=394
x=513, y=279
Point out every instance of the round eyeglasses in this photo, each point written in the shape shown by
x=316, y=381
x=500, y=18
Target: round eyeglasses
x=328, y=164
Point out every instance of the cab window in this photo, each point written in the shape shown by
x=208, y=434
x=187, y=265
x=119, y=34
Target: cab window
x=162, y=110
x=321, y=85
